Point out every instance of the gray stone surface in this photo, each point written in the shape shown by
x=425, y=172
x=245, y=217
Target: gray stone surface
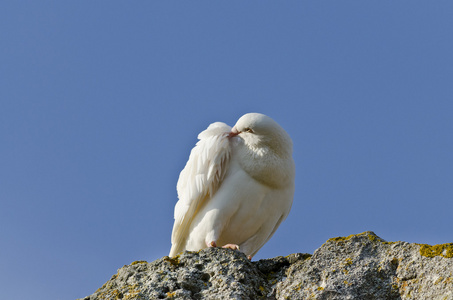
x=361, y=266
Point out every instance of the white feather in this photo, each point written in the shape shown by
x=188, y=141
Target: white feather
x=234, y=190
x=200, y=177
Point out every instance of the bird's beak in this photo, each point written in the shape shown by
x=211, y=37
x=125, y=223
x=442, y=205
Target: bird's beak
x=233, y=132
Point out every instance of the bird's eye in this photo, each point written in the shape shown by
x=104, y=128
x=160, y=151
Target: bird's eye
x=248, y=130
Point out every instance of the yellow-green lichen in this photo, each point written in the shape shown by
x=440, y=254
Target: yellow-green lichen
x=439, y=280
x=117, y=294
x=139, y=262
x=340, y=238
x=370, y=236
x=132, y=293
x=389, y=243
x=173, y=260
x=445, y=250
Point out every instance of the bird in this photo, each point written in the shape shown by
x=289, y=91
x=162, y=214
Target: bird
x=236, y=187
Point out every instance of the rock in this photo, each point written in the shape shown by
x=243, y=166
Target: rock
x=361, y=266
x=364, y=266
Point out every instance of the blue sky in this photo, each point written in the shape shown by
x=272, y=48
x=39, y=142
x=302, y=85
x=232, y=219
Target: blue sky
x=101, y=102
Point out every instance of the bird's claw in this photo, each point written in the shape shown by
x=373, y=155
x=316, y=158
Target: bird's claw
x=231, y=246
x=228, y=246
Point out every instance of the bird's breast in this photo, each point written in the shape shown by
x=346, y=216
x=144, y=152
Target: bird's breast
x=265, y=166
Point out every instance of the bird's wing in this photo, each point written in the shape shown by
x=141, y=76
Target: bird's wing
x=200, y=179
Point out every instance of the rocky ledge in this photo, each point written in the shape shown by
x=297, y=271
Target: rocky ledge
x=361, y=266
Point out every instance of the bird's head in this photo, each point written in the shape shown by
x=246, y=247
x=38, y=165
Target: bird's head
x=260, y=132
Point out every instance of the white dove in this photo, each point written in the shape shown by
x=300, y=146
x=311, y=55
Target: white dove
x=236, y=188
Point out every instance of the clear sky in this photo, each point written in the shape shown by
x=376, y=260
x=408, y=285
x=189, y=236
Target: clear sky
x=101, y=102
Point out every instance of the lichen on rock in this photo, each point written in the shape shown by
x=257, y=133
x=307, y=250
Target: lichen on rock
x=445, y=250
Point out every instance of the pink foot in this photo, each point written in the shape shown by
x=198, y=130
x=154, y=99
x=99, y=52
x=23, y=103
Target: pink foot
x=231, y=246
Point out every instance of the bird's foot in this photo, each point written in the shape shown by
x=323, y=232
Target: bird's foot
x=231, y=246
